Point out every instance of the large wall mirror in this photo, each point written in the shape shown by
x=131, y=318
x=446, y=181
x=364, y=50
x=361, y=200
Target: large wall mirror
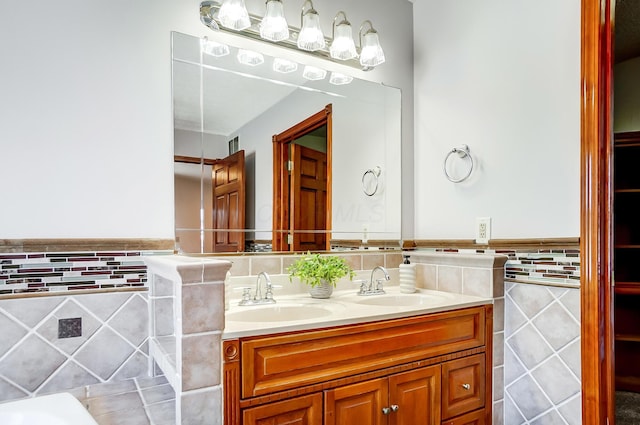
x=273, y=161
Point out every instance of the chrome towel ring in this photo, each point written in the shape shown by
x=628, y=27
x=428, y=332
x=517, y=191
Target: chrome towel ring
x=370, y=185
x=463, y=152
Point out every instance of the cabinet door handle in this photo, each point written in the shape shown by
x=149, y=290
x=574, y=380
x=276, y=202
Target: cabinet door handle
x=395, y=407
x=386, y=410
x=466, y=386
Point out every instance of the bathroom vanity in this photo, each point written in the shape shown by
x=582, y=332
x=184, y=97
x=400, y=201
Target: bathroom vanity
x=369, y=362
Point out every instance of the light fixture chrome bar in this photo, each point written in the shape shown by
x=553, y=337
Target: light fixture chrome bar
x=208, y=16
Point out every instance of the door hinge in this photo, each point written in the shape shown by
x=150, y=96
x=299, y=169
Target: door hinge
x=289, y=166
x=289, y=239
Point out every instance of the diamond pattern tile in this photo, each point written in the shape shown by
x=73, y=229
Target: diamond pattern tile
x=542, y=355
x=31, y=363
x=34, y=361
x=48, y=329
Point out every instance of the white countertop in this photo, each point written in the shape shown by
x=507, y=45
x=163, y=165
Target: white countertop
x=343, y=308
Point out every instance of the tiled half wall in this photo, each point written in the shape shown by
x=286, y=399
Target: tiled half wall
x=112, y=346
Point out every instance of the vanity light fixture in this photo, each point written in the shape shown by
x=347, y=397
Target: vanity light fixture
x=274, y=25
x=233, y=14
x=342, y=47
x=339, y=79
x=249, y=57
x=214, y=48
x=371, y=53
x=310, y=37
x=312, y=73
x=284, y=66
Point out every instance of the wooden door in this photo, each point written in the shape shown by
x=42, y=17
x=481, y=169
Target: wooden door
x=308, y=195
x=229, y=203
x=359, y=403
x=417, y=396
x=306, y=410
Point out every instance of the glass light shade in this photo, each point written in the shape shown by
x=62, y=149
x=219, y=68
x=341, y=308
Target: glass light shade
x=284, y=66
x=339, y=79
x=311, y=37
x=249, y=57
x=233, y=14
x=343, y=47
x=313, y=73
x=274, y=25
x=214, y=48
x=371, y=53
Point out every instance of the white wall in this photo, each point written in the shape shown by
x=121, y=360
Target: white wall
x=626, y=85
x=86, y=135
x=504, y=78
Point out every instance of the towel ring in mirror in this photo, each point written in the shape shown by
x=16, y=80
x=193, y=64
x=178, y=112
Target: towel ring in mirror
x=370, y=183
x=463, y=152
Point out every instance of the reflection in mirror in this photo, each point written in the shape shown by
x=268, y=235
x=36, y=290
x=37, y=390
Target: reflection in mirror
x=224, y=108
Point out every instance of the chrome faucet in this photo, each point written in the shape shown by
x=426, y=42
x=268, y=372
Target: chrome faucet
x=377, y=288
x=258, y=298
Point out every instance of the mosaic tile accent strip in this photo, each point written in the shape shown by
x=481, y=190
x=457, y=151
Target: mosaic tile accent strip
x=35, y=360
x=547, y=266
x=72, y=271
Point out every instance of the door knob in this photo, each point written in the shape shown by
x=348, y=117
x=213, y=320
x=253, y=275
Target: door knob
x=394, y=407
x=466, y=386
x=386, y=410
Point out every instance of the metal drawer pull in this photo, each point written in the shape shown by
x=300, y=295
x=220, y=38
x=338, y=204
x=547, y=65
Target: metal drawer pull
x=386, y=410
x=466, y=386
x=394, y=407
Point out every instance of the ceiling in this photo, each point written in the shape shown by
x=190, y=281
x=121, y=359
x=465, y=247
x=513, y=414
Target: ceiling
x=627, y=30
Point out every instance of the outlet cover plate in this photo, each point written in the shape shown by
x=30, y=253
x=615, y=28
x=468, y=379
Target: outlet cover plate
x=483, y=230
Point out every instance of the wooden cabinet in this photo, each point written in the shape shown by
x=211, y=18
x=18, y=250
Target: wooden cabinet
x=412, y=371
x=626, y=259
x=409, y=398
x=306, y=410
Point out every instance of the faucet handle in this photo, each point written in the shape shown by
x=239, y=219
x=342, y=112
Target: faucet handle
x=379, y=286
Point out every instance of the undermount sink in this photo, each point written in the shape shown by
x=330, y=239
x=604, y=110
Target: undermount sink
x=277, y=313
x=399, y=300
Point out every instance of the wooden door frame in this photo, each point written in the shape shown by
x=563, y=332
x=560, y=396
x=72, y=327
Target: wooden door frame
x=596, y=201
x=280, y=152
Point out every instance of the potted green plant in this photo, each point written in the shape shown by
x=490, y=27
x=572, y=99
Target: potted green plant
x=320, y=272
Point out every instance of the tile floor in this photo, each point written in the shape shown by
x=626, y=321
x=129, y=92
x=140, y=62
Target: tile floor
x=138, y=401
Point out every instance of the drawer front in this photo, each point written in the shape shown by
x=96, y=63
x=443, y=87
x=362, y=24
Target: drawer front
x=474, y=418
x=283, y=362
x=463, y=385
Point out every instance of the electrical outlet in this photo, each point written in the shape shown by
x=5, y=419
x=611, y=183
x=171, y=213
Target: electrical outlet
x=483, y=230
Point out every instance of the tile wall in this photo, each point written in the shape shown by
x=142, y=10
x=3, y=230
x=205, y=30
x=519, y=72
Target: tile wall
x=113, y=344
x=542, y=355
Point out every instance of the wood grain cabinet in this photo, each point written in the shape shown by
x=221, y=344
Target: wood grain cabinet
x=409, y=398
x=423, y=370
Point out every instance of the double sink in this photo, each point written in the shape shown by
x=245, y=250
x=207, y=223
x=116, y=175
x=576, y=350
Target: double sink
x=300, y=312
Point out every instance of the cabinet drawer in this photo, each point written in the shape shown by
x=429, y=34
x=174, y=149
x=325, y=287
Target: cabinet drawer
x=277, y=363
x=463, y=385
x=473, y=418
x=306, y=410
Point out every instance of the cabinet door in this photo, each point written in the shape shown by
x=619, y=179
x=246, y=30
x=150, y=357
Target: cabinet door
x=463, y=385
x=306, y=410
x=473, y=418
x=359, y=403
x=415, y=397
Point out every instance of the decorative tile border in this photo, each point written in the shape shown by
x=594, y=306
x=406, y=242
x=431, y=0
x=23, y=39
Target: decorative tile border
x=37, y=272
x=558, y=267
